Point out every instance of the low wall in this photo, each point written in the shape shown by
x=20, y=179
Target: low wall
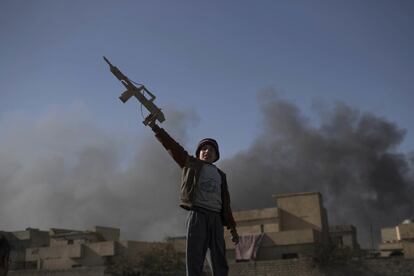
x=90, y=271
x=307, y=267
x=303, y=267
x=397, y=266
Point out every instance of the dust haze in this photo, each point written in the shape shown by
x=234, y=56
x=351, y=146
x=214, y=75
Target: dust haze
x=60, y=170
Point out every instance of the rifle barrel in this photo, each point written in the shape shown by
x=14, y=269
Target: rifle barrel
x=107, y=61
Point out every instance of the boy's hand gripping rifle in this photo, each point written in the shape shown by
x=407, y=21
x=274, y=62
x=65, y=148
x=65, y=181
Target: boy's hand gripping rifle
x=138, y=92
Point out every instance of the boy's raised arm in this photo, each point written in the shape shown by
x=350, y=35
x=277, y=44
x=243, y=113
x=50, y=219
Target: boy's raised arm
x=177, y=152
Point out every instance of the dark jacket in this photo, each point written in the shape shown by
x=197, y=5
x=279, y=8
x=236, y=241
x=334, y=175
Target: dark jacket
x=191, y=168
x=4, y=255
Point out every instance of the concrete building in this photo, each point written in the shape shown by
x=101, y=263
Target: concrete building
x=21, y=240
x=63, y=249
x=398, y=240
x=344, y=236
x=297, y=227
x=71, y=248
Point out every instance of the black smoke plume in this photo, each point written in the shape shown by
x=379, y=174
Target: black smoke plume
x=350, y=157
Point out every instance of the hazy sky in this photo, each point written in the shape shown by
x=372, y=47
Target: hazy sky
x=212, y=57
x=206, y=61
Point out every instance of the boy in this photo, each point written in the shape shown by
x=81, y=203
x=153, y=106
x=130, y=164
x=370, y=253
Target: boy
x=204, y=192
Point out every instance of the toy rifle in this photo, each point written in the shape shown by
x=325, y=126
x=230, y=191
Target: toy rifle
x=139, y=93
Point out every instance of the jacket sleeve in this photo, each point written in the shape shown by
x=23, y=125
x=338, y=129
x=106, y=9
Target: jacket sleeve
x=230, y=218
x=227, y=214
x=177, y=152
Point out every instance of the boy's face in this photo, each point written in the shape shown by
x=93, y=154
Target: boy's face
x=207, y=153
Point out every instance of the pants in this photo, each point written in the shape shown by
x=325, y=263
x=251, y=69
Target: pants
x=205, y=231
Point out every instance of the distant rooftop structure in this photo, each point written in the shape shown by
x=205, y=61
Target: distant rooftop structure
x=344, y=236
x=60, y=249
x=398, y=240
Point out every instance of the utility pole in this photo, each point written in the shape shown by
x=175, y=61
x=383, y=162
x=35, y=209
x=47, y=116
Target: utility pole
x=372, y=236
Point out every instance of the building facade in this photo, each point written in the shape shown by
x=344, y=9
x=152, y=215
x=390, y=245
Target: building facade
x=398, y=240
x=297, y=227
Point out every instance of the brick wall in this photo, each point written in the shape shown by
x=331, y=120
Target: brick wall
x=92, y=271
x=373, y=267
x=306, y=267
x=290, y=267
x=303, y=267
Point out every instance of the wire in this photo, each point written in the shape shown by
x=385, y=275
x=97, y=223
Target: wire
x=142, y=113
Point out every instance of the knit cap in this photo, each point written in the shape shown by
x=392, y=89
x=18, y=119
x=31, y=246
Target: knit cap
x=211, y=142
